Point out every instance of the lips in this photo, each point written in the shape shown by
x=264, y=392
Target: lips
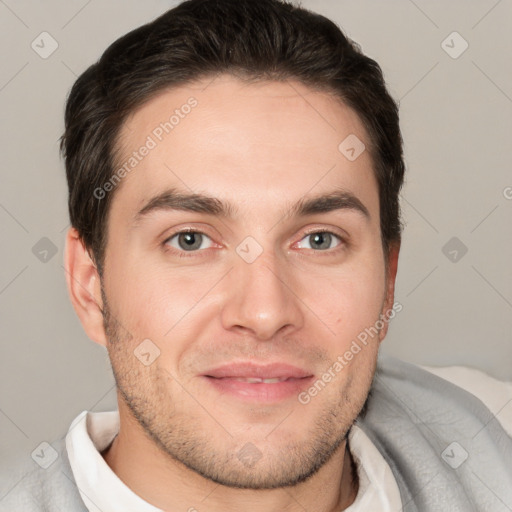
x=268, y=383
x=254, y=373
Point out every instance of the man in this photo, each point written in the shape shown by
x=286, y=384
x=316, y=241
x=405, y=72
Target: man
x=234, y=169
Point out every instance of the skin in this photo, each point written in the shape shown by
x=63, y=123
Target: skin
x=262, y=147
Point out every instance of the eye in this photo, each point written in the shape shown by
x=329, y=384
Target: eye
x=189, y=241
x=321, y=240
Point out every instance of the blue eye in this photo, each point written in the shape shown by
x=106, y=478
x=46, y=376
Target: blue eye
x=322, y=240
x=188, y=241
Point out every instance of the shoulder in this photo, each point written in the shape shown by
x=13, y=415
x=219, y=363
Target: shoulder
x=30, y=486
x=410, y=397
x=494, y=393
x=436, y=434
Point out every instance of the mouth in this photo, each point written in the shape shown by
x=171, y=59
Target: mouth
x=269, y=383
x=256, y=380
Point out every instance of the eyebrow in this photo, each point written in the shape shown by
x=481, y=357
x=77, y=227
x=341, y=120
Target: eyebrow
x=173, y=199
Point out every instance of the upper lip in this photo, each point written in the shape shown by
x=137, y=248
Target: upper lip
x=261, y=371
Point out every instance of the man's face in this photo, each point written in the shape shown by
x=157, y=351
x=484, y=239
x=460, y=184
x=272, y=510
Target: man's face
x=262, y=292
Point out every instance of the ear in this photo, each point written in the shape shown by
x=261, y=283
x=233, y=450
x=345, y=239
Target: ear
x=388, y=311
x=84, y=287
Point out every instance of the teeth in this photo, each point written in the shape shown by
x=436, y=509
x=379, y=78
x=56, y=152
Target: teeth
x=255, y=380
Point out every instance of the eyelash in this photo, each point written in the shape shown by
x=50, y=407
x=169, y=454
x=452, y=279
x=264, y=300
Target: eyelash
x=187, y=254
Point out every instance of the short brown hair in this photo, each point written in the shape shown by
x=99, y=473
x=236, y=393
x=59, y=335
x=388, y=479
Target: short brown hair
x=257, y=40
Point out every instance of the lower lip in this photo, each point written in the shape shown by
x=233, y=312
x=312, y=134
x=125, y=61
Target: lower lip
x=260, y=391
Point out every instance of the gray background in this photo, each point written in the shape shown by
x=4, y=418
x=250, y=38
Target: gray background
x=456, y=121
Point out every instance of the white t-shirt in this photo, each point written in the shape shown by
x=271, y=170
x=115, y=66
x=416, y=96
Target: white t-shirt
x=91, y=432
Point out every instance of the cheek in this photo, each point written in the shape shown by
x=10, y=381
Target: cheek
x=162, y=304
x=351, y=302
x=139, y=297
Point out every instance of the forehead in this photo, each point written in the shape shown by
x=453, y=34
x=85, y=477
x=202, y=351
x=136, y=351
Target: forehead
x=250, y=144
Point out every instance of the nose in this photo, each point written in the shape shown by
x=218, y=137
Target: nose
x=262, y=298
